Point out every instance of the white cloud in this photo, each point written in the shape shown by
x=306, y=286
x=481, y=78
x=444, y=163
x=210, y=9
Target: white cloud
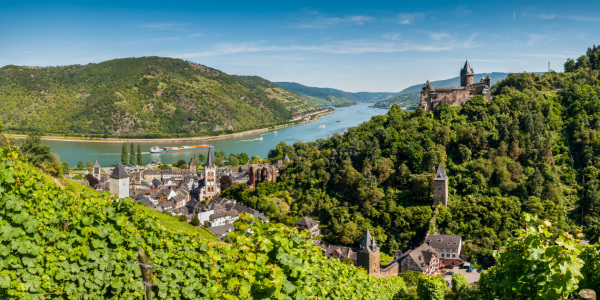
x=546, y=16
x=392, y=36
x=438, y=36
x=322, y=22
x=409, y=18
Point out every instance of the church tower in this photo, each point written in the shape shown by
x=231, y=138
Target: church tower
x=466, y=75
x=440, y=187
x=96, y=170
x=119, y=182
x=368, y=255
x=210, y=177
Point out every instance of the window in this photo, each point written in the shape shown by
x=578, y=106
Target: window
x=442, y=254
x=454, y=255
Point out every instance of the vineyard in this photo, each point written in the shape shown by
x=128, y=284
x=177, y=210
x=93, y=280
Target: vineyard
x=56, y=243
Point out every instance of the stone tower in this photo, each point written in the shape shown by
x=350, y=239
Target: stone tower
x=96, y=170
x=119, y=182
x=368, y=255
x=440, y=187
x=210, y=176
x=466, y=75
x=192, y=165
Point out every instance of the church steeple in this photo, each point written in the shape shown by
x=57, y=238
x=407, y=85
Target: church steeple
x=209, y=159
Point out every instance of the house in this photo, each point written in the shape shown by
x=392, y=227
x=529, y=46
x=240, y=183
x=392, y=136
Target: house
x=423, y=259
x=222, y=231
x=309, y=224
x=448, y=248
x=222, y=218
x=340, y=252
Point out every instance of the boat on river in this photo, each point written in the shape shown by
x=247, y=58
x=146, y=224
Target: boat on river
x=270, y=133
x=322, y=126
x=156, y=149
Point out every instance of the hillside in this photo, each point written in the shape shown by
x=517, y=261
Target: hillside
x=411, y=96
x=57, y=243
x=329, y=96
x=533, y=149
x=139, y=97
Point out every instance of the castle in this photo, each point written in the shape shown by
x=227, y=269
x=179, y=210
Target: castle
x=431, y=97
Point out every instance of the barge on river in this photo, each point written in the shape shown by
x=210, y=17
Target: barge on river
x=155, y=149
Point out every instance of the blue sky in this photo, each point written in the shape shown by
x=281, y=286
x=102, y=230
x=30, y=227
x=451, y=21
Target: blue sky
x=353, y=46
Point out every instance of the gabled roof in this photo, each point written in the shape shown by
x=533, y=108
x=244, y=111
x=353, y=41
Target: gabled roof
x=230, y=213
x=422, y=256
x=119, y=172
x=442, y=241
x=466, y=70
x=209, y=159
x=307, y=222
x=367, y=243
x=441, y=173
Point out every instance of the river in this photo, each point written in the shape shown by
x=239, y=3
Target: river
x=109, y=154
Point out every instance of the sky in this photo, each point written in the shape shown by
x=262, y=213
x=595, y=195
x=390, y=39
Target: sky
x=375, y=46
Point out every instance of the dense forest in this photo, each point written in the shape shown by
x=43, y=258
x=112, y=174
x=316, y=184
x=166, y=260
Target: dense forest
x=333, y=97
x=533, y=149
x=139, y=97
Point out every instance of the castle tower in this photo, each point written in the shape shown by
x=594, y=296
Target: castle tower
x=251, y=178
x=96, y=170
x=210, y=177
x=440, y=187
x=119, y=182
x=368, y=255
x=466, y=75
x=192, y=165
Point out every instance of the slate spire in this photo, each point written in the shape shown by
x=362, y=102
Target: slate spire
x=466, y=69
x=209, y=159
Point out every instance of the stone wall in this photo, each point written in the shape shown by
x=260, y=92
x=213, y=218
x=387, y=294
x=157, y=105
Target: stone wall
x=390, y=270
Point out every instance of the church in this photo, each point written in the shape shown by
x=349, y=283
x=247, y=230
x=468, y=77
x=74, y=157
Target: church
x=210, y=187
x=432, y=97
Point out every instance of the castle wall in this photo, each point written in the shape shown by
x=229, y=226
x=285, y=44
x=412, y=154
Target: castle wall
x=391, y=270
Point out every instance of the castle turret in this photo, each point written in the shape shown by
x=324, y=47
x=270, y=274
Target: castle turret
x=192, y=165
x=440, y=187
x=368, y=255
x=466, y=75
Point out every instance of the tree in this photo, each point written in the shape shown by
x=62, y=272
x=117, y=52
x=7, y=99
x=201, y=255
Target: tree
x=350, y=233
x=255, y=159
x=65, y=166
x=182, y=218
x=225, y=182
x=139, y=161
x=89, y=164
x=459, y=285
x=92, y=181
x=36, y=152
x=201, y=159
x=233, y=160
x=569, y=65
x=195, y=221
x=131, y=154
x=80, y=165
x=243, y=158
x=124, y=155
x=431, y=287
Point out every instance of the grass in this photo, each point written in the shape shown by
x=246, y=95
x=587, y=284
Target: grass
x=173, y=223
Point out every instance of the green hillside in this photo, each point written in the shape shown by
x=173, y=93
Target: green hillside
x=411, y=96
x=139, y=97
x=329, y=96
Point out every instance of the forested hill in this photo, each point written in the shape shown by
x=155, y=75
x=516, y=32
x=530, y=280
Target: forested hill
x=139, y=97
x=329, y=96
x=535, y=148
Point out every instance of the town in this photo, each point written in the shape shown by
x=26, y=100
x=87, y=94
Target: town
x=194, y=195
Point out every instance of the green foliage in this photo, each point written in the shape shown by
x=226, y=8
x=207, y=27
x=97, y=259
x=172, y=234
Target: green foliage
x=89, y=164
x=431, y=287
x=139, y=97
x=80, y=165
x=131, y=154
x=66, y=168
x=535, y=265
x=60, y=244
x=139, y=161
x=459, y=285
x=124, y=155
x=195, y=221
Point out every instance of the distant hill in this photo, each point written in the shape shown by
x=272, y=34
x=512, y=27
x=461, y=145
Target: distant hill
x=329, y=96
x=411, y=96
x=139, y=97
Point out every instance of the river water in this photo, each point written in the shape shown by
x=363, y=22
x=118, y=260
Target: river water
x=109, y=154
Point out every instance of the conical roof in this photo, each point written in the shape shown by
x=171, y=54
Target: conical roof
x=96, y=164
x=286, y=158
x=119, y=172
x=441, y=173
x=466, y=70
x=209, y=159
x=367, y=244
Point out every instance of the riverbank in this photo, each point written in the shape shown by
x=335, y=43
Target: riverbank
x=170, y=140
